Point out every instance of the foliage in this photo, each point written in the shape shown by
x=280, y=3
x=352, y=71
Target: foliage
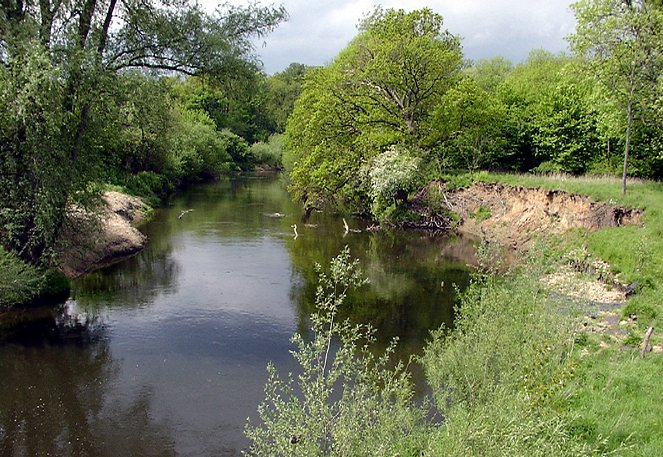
x=22, y=283
x=282, y=90
x=470, y=126
x=36, y=170
x=550, y=115
x=380, y=91
x=345, y=401
x=61, y=65
x=269, y=153
x=621, y=42
x=522, y=350
x=392, y=175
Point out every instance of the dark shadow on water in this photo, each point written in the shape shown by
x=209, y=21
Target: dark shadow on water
x=58, y=405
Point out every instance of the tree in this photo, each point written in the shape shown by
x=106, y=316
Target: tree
x=381, y=90
x=282, y=90
x=60, y=61
x=622, y=43
x=470, y=124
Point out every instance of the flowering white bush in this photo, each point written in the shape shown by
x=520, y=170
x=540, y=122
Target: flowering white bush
x=393, y=174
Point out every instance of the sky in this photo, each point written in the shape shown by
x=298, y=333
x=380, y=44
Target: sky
x=318, y=30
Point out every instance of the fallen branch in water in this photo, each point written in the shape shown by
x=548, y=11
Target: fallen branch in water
x=186, y=211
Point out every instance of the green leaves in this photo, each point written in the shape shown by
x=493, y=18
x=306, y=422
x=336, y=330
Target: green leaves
x=380, y=91
x=345, y=400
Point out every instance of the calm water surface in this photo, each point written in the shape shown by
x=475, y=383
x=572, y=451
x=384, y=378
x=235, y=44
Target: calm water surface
x=164, y=354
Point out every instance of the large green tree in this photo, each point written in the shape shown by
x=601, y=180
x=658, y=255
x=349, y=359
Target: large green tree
x=623, y=45
x=60, y=61
x=381, y=90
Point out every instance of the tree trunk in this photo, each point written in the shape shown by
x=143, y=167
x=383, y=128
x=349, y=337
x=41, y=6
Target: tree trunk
x=627, y=147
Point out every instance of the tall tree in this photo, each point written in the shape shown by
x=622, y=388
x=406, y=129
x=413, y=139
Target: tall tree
x=622, y=41
x=58, y=58
x=381, y=90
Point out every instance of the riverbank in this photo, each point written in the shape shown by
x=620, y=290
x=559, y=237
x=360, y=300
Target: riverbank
x=105, y=236
x=529, y=368
x=609, y=392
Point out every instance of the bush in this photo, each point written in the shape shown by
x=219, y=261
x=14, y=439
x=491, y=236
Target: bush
x=148, y=184
x=346, y=401
x=547, y=168
x=201, y=152
x=238, y=150
x=23, y=284
x=393, y=174
x=269, y=153
x=495, y=376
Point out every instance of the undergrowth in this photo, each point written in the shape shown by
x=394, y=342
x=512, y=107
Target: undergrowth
x=493, y=381
x=515, y=377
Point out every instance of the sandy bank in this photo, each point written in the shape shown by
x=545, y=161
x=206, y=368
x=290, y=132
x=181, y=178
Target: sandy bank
x=102, y=237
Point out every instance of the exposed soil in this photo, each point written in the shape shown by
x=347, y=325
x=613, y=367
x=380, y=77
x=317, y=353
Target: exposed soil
x=98, y=238
x=515, y=216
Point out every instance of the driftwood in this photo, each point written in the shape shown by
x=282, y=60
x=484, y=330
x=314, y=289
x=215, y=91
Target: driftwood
x=646, y=345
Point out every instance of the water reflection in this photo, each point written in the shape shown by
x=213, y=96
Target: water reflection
x=58, y=405
x=165, y=353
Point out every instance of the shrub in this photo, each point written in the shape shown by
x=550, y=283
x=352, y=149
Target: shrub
x=346, y=401
x=22, y=284
x=238, y=150
x=393, y=174
x=269, y=153
x=201, y=152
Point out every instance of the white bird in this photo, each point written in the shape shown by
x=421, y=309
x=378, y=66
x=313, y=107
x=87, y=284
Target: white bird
x=294, y=227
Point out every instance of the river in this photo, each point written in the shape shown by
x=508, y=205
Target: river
x=164, y=354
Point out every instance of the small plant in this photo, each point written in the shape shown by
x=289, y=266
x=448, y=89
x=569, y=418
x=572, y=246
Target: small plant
x=346, y=401
x=481, y=214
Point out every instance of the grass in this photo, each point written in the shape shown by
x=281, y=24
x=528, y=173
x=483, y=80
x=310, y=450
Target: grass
x=613, y=394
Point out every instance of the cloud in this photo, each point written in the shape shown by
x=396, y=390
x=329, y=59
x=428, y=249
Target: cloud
x=318, y=31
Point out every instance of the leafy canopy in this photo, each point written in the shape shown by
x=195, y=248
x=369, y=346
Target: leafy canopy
x=381, y=90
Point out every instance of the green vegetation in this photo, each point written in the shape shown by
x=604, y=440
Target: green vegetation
x=402, y=83
x=351, y=402
x=514, y=376
x=21, y=283
x=85, y=105
x=496, y=379
x=379, y=92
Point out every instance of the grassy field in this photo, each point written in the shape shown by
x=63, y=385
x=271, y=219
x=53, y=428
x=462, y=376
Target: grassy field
x=614, y=395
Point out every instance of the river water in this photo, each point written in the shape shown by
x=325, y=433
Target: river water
x=164, y=354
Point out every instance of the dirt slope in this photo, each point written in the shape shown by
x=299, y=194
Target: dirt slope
x=108, y=235
x=515, y=216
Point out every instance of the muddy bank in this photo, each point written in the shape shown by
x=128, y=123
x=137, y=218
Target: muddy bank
x=515, y=216
x=102, y=237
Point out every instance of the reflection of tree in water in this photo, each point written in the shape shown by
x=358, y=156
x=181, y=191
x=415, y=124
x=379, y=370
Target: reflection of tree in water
x=412, y=278
x=56, y=370
x=135, y=281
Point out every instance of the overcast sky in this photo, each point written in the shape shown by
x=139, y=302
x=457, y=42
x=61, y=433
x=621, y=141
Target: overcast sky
x=318, y=30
